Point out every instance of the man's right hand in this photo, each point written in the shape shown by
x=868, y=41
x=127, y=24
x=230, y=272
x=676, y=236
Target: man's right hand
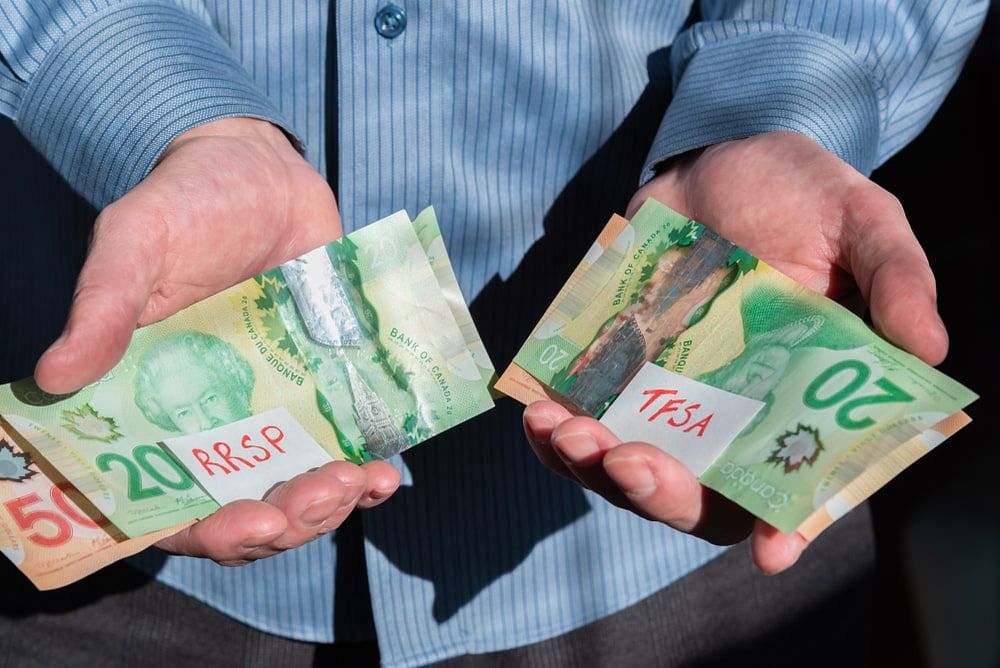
x=227, y=200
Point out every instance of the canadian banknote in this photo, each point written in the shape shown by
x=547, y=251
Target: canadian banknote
x=48, y=531
x=393, y=361
x=837, y=409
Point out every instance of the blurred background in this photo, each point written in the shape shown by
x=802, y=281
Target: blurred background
x=936, y=587
x=937, y=579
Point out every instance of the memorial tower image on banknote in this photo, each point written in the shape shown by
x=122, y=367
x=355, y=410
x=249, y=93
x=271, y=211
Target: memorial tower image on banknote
x=337, y=329
x=383, y=438
x=191, y=381
x=687, y=269
x=823, y=411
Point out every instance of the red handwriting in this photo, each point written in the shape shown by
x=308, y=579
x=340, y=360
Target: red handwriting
x=251, y=452
x=676, y=406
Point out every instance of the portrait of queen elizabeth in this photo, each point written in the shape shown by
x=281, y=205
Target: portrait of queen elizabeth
x=190, y=382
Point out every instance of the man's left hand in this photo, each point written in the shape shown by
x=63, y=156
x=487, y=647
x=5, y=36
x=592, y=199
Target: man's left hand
x=810, y=215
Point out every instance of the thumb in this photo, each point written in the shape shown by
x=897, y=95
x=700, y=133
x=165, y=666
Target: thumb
x=111, y=292
x=897, y=282
x=904, y=308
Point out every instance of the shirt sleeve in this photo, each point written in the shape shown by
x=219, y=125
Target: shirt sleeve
x=861, y=77
x=101, y=87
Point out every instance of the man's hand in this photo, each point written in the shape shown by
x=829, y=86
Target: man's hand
x=813, y=217
x=306, y=507
x=227, y=200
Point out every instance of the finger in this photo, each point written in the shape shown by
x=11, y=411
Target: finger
x=112, y=290
x=232, y=535
x=582, y=443
x=894, y=276
x=314, y=503
x=660, y=488
x=904, y=308
x=540, y=419
x=383, y=480
x=774, y=551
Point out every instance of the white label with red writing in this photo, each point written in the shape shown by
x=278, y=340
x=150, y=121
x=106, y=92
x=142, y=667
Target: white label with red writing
x=245, y=459
x=691, y=421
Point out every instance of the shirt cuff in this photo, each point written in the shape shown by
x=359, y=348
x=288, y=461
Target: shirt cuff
x=765, y=82
x=115, y=90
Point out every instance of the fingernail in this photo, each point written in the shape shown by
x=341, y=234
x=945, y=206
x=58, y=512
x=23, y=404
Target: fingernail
x=319, y=510
x=381, y=492
x=578, y=446
x=632, y=474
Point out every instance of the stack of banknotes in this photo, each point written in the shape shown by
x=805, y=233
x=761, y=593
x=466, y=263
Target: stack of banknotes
x=354, y=351
x=776, y=397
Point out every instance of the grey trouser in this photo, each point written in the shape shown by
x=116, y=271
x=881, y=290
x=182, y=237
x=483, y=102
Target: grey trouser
x=818, y=613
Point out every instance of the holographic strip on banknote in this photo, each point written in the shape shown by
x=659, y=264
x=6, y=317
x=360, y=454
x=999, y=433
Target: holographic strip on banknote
x=366, y=343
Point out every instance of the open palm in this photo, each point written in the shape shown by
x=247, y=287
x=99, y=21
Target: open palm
x=227, y=200
x=810, y=215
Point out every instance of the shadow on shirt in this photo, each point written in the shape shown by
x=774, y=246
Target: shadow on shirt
x=498, y=500
x=480, y=500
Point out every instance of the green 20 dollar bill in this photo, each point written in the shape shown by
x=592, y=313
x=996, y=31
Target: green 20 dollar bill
x=834, y=410
x=392, y=360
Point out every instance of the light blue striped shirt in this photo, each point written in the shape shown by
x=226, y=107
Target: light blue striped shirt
x=526, y=123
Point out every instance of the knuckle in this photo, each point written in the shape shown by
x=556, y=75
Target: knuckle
x=317, y=190
x=314, y=183
x=94, y=298
x=893, y=203
x=146, y=212
x=287, y=543
x=109, y=217
x=345, y=473
x=573, y=425
x=324, y=487
x=872, y=205
x=330, y=524
x=650, y=454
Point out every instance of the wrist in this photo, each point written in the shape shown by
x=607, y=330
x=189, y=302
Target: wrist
x=770, y=81
x=667, y=182
x=240, y=127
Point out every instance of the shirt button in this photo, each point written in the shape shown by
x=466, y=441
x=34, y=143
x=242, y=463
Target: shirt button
x=390, y=21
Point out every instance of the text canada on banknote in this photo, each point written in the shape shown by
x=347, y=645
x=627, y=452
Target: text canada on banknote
x=365, y=346
x=775, y=396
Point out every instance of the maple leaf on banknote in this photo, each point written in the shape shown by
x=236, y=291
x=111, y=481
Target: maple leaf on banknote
x=220, y=363
x=796, y=448
x=743, y=260
x=14, y=465
x=88, y=424
x=708, y=316
x=275, y=292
